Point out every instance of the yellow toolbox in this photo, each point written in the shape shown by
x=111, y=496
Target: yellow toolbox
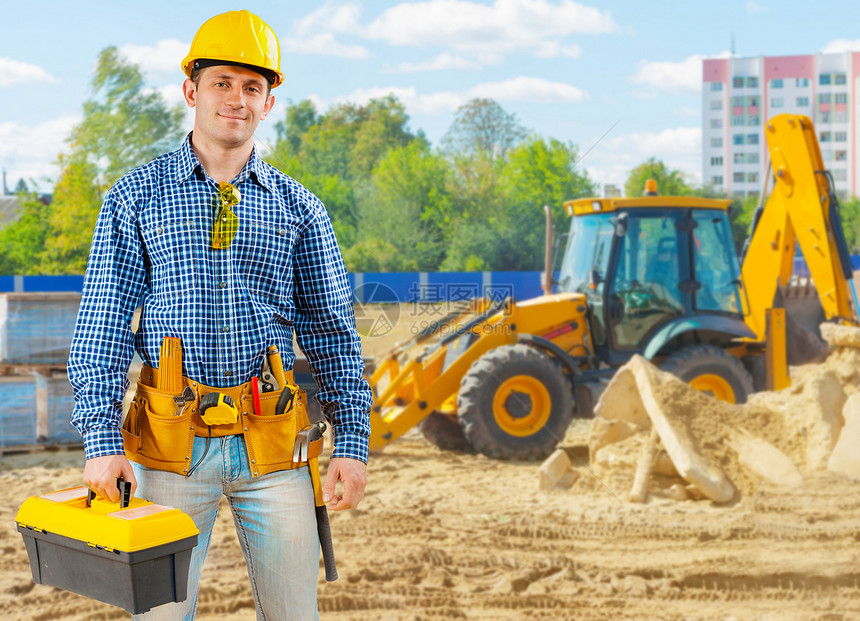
x=135, y=556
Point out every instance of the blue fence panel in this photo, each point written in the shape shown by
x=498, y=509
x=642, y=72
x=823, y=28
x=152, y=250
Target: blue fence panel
x=520, y=285
x=378, y=287
x=54, y=283
x=452, y=286
x=7, y=284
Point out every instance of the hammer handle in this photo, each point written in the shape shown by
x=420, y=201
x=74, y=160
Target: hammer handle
x=324, y=531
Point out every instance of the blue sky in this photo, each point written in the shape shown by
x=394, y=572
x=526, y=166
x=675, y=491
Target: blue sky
x=568, y=70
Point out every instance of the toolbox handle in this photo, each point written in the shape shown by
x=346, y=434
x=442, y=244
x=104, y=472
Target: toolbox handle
x=124, y=488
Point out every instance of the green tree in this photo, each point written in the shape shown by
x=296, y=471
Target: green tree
x=22, y=240
x=405, y=218
x=536, y=172
x=482, y=126
x=123, y=126
x=670, y=182
x=334, y=154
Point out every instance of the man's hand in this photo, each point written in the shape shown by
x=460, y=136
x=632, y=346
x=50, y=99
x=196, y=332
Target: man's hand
x=353, y=473
x=100, y=475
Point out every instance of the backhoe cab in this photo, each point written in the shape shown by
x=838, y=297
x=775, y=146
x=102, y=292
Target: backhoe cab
x=656, y=276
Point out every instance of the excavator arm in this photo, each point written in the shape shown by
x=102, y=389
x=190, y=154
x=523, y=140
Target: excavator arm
x=801, y=209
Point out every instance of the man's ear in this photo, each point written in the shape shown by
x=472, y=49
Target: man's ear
x=270, y=102
x=189, y=91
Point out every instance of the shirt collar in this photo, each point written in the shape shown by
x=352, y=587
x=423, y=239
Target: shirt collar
x=187, y=163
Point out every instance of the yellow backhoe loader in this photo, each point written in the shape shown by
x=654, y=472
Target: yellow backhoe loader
x=657, y=276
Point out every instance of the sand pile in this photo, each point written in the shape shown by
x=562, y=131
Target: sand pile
x=652, y=433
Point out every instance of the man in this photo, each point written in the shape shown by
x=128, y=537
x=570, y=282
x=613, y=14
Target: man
x=227, y=255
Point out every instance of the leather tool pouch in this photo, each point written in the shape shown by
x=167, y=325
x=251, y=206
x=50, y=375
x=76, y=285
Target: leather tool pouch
x=155, y=437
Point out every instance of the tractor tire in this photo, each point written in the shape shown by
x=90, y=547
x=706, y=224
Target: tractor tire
x=711, y=369
x=515, y=402
x=444, y=432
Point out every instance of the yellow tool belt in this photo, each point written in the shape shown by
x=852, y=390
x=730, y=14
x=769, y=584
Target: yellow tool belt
x=159, y=435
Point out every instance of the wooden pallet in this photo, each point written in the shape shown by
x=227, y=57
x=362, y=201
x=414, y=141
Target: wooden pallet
x=7, y=369
x=38, y=448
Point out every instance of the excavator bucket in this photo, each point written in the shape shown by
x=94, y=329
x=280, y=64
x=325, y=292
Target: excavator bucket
x=803, y=316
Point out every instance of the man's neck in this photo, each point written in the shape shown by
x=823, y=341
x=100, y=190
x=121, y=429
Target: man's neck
x=222, y=163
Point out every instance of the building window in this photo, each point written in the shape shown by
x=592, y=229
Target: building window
x=840, y=136
x=752, y=102
x=776, y=83
x=752, y=82
x=739, y=158
x=824, y=98
x=776, y=102
x=824, y=79
x=840, y=116
x=718, y=142
x=716, y=86
x=840, y=174
x=824, y=136
x=824, y=117
x=839, y=78
x=716, y=104
x=738, y=101
x=802, y=82
x=752, y=177
x=753, y=120
x=716, y=123
x=739, y=193
x=752, y=138
x=840, y=98
x=716, y=161
x=738, y=139
x=803, y=101
x=737, y=82
x=739, y=177
x=840, y=156
x=752, y=158
x=717, y=180
x=737, y=120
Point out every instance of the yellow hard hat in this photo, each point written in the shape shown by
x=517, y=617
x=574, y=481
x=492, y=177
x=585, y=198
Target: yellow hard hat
x=236, y=38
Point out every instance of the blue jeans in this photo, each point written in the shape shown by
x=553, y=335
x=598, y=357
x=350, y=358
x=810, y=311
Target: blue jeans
x=275, y=521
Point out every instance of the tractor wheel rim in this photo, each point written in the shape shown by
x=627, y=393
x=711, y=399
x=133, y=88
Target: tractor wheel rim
x=517, y=387
x=715, y=385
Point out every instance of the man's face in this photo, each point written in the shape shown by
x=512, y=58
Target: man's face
x=229, y=103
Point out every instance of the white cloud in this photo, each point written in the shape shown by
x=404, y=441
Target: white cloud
x=487, y=32
x=442, y=62
x=323, y=44
x=521, y=88
x=754, y=7
x=19, y=72
x=163, y=57
x=841, y=45
x=680, y=148
x=681, y=78
x=30, y=152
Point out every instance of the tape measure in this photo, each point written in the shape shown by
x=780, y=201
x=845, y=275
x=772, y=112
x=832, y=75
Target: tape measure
x=218, y=409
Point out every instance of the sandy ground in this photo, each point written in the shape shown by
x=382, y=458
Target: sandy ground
x=444, y=535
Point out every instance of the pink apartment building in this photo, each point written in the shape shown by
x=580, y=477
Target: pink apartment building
x=740, y=94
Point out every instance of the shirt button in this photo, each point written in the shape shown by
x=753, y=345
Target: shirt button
x=228, y=373
x=223, y=284
x=159, y=230
x=282, y=232
x=225, y=329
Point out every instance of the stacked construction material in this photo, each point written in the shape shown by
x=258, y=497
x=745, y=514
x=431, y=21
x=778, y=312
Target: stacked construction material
x=35, y=336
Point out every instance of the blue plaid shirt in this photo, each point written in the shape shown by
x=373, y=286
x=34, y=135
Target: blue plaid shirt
x=283, y=271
